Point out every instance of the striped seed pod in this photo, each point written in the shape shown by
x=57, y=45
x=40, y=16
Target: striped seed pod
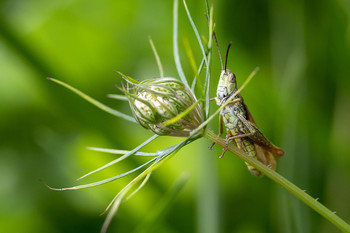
x=159, y=100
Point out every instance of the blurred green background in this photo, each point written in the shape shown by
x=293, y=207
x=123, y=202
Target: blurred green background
x=300, y=99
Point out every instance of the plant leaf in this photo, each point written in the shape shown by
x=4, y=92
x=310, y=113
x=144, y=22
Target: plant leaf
x=160, y=67
x=193, y=85
x=95, y=102
x=196, y=70
x=127, y=78
x=122, y=157
x=145, y=180
x=118, y=152
x=196, y=32
x=114, y=205
x=207, y=6
x=175, y=45
x=207, y=79
x=105, y=180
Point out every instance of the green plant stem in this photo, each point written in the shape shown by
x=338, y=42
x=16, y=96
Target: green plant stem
x=300, y=194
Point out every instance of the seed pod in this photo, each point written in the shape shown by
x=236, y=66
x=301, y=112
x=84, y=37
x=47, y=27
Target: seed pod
x=159, y=100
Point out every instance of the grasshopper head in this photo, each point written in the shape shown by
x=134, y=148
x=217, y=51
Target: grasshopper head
x=227, y=85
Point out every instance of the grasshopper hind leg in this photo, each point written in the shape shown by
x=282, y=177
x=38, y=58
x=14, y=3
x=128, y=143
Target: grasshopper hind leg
x=246, y=145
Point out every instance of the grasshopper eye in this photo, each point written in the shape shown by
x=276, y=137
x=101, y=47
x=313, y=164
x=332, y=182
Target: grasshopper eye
x=232, y=77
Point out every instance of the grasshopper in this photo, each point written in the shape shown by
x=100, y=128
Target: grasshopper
x=240, y=125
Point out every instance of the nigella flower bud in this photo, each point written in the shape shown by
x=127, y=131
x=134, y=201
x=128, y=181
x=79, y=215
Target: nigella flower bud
x=159, y=100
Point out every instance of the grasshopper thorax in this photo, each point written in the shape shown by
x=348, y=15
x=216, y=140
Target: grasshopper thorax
x=227, y=85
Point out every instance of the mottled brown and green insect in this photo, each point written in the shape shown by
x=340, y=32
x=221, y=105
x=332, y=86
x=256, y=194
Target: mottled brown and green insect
x=240, y=125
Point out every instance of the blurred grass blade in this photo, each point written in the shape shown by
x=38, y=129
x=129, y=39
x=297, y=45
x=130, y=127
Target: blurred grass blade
x=205, y=41
x=175, y=45
x=162, y=207
x=122, y=152
x=200, y=87
x=114, y=207
x=122, y=157
x=117, y=97
x=250, y=77
x=105, y=180
x=190, y=56
x=193, y=64
x=181, y=115
x=196, y=32
x=95, y=102
x=160, y=67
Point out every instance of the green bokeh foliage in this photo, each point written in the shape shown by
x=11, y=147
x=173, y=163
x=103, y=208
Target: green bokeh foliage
x=300, y=99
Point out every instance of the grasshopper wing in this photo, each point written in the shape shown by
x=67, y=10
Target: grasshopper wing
x=258, y=138
x=265, y=157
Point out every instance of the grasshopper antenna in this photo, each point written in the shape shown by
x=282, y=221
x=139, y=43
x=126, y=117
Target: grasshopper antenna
x=228, y=49
x=217, y=46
